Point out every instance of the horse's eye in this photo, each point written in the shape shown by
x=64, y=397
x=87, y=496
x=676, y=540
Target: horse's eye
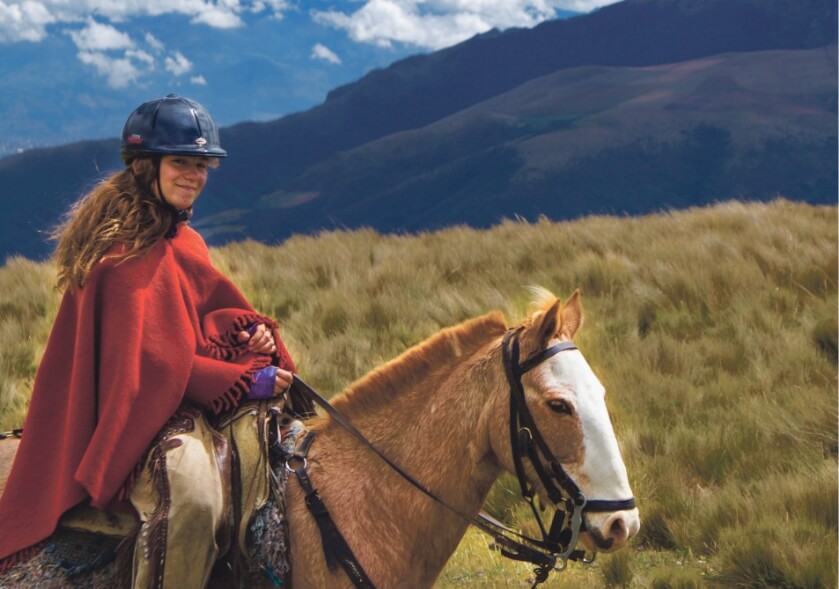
x=560, y=407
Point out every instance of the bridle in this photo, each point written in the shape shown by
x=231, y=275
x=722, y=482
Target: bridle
x=557, y=544
x=526, y=441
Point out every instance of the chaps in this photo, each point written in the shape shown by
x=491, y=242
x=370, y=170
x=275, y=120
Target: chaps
x=182, y=499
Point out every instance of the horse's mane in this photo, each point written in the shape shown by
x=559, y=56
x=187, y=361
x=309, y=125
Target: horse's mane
x=442, y=350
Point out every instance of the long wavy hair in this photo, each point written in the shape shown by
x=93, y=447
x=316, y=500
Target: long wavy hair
x=122, y=209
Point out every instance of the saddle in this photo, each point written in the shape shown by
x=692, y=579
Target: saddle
x=261, y=435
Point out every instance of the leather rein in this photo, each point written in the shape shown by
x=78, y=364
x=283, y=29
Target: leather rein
x=557, y=543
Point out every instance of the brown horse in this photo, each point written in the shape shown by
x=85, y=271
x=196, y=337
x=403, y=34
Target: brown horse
x=441, y=412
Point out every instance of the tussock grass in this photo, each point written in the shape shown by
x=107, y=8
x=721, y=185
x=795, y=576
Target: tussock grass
x=28, y=304
x=714, y=331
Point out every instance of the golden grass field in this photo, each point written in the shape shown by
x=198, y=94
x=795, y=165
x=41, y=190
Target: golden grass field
x=714, y=331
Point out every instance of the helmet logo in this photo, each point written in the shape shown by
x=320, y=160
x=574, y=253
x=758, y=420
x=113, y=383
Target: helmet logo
x=134, y=139
x=201, y=141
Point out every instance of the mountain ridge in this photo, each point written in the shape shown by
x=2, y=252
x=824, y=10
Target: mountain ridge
x=261, y=190
x=657, y=31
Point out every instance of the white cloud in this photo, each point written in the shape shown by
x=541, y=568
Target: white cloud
x=120, y=72
x=118, y=58
x=29, y=20
x=219, y=17
x=429, y=24
x=278, y=7
x=100, y=29
x=100, y=37
x=112, y=53
x=153, y=42
x=434, y=24
x=140, y=55
x=323, y=52
x=178, y=64
x=23, y=21
x=100, y=46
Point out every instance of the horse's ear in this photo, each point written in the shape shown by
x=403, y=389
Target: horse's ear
x=572, y=316
x=547, y=325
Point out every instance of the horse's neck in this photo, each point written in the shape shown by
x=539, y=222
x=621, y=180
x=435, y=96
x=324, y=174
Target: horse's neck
x=8, y=449
x=438, y=434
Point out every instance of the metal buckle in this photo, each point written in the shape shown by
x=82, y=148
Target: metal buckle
x=288, y=463
x=575, y=524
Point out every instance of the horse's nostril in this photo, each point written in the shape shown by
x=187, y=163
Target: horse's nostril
x=618, y=529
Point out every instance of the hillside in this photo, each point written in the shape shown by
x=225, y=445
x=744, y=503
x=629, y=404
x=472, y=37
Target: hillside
x=590, y=139
x=714, y=331
x=277, y=161
x=419, y=90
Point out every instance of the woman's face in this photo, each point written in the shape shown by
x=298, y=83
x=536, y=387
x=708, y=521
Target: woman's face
x=182, y=178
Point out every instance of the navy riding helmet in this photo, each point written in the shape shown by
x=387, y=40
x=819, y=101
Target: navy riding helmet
x=172, y=125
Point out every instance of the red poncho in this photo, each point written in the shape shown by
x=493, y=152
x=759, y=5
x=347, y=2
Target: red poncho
x=142, y=336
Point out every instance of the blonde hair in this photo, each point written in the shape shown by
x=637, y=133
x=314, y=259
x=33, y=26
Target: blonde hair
x=122, y=209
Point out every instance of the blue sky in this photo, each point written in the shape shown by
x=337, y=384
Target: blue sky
x=72, y=69
x=102, y=30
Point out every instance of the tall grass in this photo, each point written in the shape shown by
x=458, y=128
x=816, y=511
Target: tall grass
x=714, y=331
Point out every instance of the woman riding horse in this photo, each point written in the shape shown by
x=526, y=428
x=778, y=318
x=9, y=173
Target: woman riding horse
x=148, y=339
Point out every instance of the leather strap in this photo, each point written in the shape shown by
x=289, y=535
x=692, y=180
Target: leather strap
x=335, y=547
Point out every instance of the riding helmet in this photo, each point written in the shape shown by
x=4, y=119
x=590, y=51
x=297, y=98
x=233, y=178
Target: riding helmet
x=172, y=125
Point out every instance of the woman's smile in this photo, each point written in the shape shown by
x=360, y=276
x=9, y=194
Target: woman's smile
x=182, y=178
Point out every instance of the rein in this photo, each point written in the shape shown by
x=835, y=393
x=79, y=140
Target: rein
x=559, y=543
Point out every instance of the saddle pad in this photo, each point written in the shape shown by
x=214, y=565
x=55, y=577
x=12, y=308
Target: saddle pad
x=68, y=558
x=84, y=518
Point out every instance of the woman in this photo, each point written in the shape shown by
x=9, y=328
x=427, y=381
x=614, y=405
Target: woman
x=149, y=337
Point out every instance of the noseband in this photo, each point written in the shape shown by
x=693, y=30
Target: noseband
x=527, y=441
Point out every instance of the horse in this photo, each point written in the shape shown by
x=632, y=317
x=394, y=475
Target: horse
x=441, y=411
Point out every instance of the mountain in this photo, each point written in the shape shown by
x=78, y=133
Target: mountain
x=592, y=139
x=641, y=105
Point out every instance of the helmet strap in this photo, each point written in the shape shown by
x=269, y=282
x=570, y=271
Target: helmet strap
x=177, y=216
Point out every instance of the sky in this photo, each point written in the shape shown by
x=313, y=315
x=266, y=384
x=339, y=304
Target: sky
x=109, y=46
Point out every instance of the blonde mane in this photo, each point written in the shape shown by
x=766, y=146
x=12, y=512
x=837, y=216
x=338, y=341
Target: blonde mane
x=437, y=354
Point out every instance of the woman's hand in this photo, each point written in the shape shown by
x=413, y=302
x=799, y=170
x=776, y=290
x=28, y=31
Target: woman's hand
x=261, y=342
x=284, y=378
x=262, y=386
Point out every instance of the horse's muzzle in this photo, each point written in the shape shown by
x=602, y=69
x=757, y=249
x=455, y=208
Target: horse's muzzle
x=612, y=532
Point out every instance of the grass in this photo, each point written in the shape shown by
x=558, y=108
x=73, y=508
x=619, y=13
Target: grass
x=714, y=331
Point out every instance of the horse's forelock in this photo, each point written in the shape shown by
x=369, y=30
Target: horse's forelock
x=541, y=299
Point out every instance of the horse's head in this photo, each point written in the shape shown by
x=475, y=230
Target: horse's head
x=563, y=424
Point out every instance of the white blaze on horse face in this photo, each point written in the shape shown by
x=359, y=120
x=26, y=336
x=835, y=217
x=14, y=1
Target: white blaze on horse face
x=601, y=473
